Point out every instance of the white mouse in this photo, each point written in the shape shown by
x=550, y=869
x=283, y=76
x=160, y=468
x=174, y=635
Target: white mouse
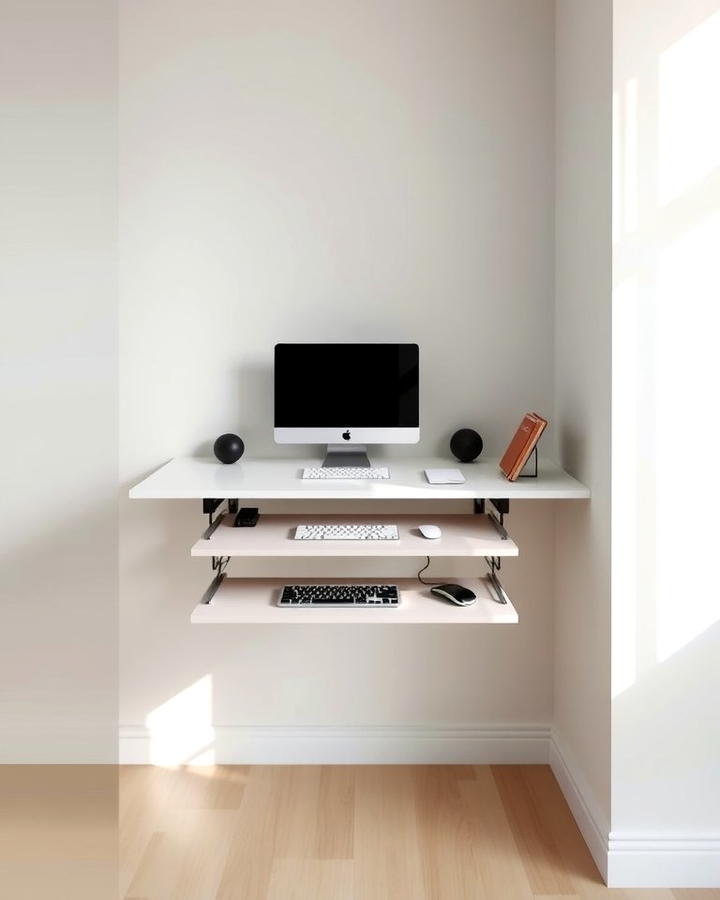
x=432, y=532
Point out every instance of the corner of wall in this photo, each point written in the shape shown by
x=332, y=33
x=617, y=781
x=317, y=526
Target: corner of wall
x=580, y=798
x=580, y=746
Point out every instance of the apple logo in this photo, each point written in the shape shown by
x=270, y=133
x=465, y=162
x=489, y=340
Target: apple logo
x=346, y=435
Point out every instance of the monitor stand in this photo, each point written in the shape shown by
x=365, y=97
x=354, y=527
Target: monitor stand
x=346, y=455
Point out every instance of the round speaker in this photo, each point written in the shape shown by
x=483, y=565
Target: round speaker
x=466, y=445
x=228, y=448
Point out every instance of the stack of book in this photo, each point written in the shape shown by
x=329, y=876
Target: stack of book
x=522, y=445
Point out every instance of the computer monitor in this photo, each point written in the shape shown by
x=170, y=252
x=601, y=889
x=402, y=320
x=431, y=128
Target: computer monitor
x=347, y=396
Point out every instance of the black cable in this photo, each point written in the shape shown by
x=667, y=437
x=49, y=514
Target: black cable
x=420, y=578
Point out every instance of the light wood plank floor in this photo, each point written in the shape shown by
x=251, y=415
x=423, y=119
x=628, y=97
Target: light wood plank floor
x=355, y=833
x=58, y=832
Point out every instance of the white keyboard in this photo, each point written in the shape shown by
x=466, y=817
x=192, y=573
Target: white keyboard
x=347, y=533
x=333, y=472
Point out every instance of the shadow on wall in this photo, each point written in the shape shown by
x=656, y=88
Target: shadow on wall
x=573, y=449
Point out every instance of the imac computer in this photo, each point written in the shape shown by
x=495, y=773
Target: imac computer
x=347, y=396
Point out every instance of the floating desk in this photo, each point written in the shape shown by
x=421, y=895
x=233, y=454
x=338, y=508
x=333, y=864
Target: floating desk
x=481, y=535
x=186, y=478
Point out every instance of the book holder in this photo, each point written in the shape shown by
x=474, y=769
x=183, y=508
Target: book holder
x=530, y=469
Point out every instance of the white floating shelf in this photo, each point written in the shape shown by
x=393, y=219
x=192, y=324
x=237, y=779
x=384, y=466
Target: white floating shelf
x=280, y=479
x=462, y=536
x=253, y=602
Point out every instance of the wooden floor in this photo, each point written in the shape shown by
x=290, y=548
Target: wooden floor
x=58, y=832
x=355, y=833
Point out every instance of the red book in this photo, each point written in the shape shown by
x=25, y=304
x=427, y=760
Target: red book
x=522, y=445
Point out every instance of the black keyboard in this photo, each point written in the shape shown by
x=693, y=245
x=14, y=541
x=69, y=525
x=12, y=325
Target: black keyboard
x=340, y=595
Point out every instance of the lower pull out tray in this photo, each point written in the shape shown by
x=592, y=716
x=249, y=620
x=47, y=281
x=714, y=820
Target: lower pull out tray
x=254, y=602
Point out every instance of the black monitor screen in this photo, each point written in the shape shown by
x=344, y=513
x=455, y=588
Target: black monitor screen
x=346, y=385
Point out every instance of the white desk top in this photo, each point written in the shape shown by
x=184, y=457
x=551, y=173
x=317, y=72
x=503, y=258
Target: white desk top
x=187, y=478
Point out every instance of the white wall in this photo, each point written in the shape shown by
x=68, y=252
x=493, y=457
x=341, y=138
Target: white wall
x=58, y=384
x=58, y=449
x=581, y=721
x=666, y=284
x=330, y=171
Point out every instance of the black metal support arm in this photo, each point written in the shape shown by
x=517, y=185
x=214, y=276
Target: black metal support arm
x=212, y=588
x=497, y=517
x=209, y=507
x=501, y=506
x=210, y=504
x=219, y=563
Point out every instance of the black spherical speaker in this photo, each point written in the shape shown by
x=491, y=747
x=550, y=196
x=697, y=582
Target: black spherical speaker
x=228, y=448
x=466, y=445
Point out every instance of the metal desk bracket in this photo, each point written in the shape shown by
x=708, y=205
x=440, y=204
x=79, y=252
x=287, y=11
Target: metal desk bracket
x=209, y=506
x=212, y=588
x=496, y=516
x=219, y=563
x=501, y=506
x=497, y=589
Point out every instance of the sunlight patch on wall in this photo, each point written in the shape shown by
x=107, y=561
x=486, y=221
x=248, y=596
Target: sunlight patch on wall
x=616, y=168
x=688, y=119
x=625, y=186
x=666, y=352
x=687, y=354
x=181, y=728
x=631, y=186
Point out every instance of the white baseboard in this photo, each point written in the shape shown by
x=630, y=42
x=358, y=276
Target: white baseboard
x=591, y=822
x=654, y=861
x=480, y=744
x=634, y=861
